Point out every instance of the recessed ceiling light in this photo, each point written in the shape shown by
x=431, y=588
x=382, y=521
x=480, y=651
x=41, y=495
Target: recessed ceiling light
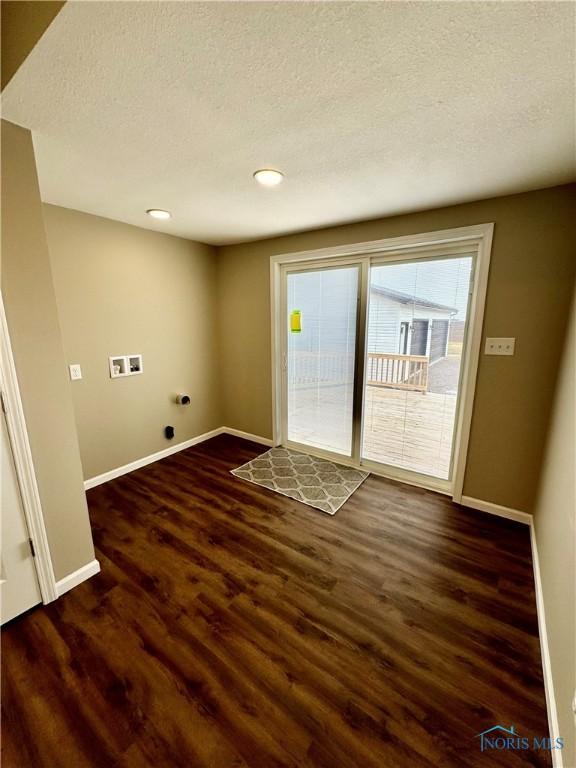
x=157, y=213
x=268, y=177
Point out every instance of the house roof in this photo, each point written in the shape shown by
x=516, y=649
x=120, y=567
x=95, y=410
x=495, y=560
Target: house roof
x=406, y=298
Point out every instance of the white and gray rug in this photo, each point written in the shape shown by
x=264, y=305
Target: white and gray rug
x=319, y=483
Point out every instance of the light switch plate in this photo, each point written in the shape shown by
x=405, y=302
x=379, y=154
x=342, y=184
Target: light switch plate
x=75, y=371
x=500, y=346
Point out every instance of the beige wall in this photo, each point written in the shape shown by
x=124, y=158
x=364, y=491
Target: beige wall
x=555, y=527
x=125, y=290
x=30, y=304
x=532, y=269
x=23, y=24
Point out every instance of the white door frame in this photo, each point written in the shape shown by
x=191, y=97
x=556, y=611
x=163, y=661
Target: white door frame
x=476, y=239
x=18, y=436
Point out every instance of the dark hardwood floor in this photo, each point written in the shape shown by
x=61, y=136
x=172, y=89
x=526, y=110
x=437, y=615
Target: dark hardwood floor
x=231, y=626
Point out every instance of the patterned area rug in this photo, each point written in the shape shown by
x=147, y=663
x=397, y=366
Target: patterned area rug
x=316, y=482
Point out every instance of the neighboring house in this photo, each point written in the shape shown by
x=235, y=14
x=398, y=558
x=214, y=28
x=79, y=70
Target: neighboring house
x=407, y=325
x=400, y=323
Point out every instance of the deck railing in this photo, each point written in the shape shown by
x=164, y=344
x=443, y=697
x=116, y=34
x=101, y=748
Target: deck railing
x=397, y=371
x=383, y=370
x=324, y=369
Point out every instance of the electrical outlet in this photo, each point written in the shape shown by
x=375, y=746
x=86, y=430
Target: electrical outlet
x=499, y=346
x=75, y=371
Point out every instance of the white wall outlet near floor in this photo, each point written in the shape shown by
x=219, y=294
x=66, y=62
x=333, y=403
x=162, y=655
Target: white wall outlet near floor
x=75, y=371
x=500, y=346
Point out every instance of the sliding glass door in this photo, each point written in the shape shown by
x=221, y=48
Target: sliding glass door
x=372, y=357
x=320, y=356
x=417, y=317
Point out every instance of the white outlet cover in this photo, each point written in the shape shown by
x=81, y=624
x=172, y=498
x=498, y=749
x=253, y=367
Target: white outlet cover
x=75, y=371
x=500, y=346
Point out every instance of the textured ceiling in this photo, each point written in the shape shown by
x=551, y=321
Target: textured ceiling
x=370, y=109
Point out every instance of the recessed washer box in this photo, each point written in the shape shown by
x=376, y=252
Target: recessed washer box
x=134, y=364
x=125, y=365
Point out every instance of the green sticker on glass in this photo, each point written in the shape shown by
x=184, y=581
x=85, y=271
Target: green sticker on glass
x=295, y=321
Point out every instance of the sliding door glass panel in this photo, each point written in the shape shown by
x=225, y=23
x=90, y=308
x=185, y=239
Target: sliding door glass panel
x=417, y=318
x=321, y=347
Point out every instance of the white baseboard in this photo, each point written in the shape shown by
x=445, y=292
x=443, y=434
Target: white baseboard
x=77, y=577
x=247, y=436
x=553, y=725
x=126, y=468
x=92, y=482
x=497, y=509
x=527, y=519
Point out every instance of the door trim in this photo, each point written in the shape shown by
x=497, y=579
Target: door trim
x=18, y=436
x=475, y=239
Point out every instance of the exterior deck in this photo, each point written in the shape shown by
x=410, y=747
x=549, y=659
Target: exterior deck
x=405, y=428
x=411, y=430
